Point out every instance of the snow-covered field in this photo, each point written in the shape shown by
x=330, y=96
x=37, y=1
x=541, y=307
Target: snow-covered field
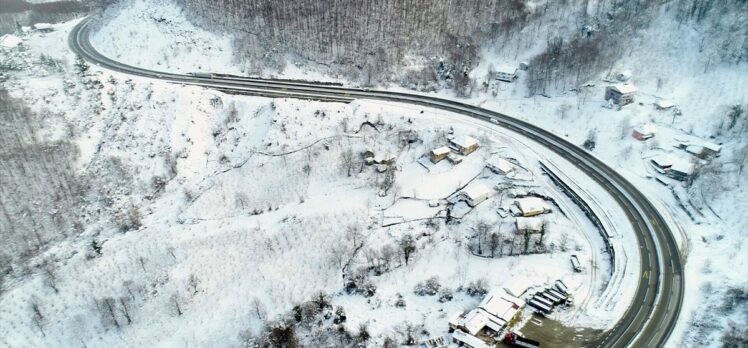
x=238, y=208
x=253, y=212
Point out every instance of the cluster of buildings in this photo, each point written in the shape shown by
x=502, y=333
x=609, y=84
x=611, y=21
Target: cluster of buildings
x=381, y=160
x=682, y=168
x=482, y=326
x=454, y=150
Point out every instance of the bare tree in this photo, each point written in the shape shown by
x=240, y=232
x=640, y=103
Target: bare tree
x=347, y=160
x=563, y=110
x=407, y=247
x=123, y=301
x=50, y=276
x=494, y=242
x=193, y=282
x=175, y=302
x=36, y=315
x=258, y=307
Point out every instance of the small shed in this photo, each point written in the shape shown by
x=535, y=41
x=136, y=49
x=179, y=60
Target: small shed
x=454, y=159
x=644, y=132
x=465, y=145
x=436, y=342
x=44, y=27
x=384, y=158
x=368, y=153
x=531, y=206
x=475, y=193
x=664, y=104
x=499, y=165
x=438, y=154
x=624, y=75
x=620, y=94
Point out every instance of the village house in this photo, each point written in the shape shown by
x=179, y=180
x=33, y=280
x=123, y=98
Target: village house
x=644, y=132
x=499, y=165
x=438, y=154
x=531, y=206
x=704, y=150
x=621, y=94
x=501, y=307
x=681, y=170
x=497, y=310
x=43, y=27
x=474, y=193
x=506, y=73
x=662, y=163
x=465, y=145
x=472, y=322
x=529, y=225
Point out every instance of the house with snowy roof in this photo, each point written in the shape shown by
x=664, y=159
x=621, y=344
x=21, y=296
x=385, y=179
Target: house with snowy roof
x=499, y=165
x=474, y=193
x=465, y=144
x=531, y=206
x=506, y=73
x=644, y=132
x=620, y=94
x=438, y=154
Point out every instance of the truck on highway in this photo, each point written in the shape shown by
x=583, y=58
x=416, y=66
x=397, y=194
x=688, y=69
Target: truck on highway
x=515, y=340
x=202, y=75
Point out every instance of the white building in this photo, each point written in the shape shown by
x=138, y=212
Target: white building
x=465, y=145
x=475, y=193
x=681, y=169
x=9, y=41
x=501, y=306
x=499, y=165
x=464, y=339
x=43, y=27
x=531, y=206
x=506, y=73
x=438, y=154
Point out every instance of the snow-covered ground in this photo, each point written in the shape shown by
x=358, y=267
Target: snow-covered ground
x=710, y=224
x=238, y=208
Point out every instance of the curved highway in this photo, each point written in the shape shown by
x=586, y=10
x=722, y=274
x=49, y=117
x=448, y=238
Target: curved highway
x=651, y=317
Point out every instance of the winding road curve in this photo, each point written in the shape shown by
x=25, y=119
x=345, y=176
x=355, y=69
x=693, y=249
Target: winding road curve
x=649, y=320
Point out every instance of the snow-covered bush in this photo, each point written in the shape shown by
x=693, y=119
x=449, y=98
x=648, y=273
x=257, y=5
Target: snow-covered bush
x=429, y=287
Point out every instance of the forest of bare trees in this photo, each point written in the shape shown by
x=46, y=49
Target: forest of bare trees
x=609, y=34
x=39, y=190
x=368, y=40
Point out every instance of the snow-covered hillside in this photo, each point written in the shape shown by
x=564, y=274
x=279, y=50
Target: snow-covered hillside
x=205, y=216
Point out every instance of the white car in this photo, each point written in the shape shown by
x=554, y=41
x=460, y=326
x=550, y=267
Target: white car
x=494, y=120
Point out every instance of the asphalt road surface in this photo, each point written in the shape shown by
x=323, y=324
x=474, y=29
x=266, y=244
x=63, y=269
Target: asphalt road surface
x=651, y=317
